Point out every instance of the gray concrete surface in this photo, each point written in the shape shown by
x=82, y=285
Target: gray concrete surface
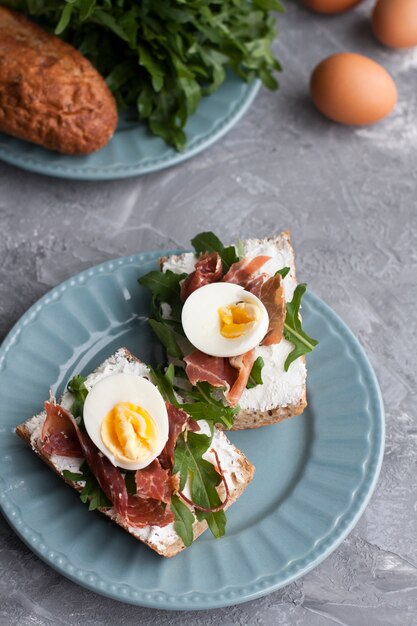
x=350, y=199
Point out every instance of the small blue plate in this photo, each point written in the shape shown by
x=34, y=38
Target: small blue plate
x=134, y=150
x=314, y=473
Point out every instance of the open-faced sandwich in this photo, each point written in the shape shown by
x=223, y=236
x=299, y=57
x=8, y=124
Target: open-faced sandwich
x=229, y=320
x=123, y=440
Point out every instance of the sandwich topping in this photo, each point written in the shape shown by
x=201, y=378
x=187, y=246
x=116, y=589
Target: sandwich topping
x=224, y=320
x=126, y=417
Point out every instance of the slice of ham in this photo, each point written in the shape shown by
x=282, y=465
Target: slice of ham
x=221, y=372
x=241, y=272
x=108, y=477
x=179, y=420
x=216, y=370
x=254, y=285
x=272, y=296
x=153, y=482
x=208, y=269
x=141, y=513
x=243, y=364
x=58, y=433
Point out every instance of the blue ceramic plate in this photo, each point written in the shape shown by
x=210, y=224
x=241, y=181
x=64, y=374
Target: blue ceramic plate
x=314, y=473
x=133, y=149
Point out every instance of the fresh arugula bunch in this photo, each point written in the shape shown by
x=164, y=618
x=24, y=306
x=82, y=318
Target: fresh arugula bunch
x=163, y=56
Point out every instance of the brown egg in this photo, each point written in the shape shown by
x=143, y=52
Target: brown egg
x=394, y=23
x=352, y=89
x=330, y=6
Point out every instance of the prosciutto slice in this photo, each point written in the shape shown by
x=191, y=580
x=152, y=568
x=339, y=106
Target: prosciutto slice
x=108, y=477
x=243, y=364
x=153, y=482
x=241, y=272
x=58, y=433
x=231, y=373
x=272, y=296
x=141, y=513
x=216, y=370
x=178, y=421
x=208, y=269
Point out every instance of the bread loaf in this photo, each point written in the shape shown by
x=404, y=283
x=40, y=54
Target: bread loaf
x=50, y=94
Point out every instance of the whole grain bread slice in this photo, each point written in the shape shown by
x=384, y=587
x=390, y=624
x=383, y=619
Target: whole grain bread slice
x=165, y=543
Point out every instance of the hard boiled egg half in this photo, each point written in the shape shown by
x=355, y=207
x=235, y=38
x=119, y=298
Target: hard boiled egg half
x=126, y=417
x=223, y=319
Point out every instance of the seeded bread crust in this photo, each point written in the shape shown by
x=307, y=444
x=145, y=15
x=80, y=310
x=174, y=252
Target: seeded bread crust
x=246, y=470
x=255, y=419
x=50, y=94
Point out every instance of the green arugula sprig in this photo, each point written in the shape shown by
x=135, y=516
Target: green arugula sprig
x=203, y=480
x=78, y=389
x=184, y=520
x=209, y=242
x=293, y=330
x=161, y=57
x=255, y=376
x=92, y=492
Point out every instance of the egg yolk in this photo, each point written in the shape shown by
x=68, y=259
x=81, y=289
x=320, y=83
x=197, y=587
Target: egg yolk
x=237, y=319
x=129, y=432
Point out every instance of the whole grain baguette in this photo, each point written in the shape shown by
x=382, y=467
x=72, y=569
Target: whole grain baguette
x=253, y=417
x=50, y=94
x=237, y=481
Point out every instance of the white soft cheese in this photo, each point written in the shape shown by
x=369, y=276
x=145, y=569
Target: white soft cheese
x=229, y=456
x=279, y=388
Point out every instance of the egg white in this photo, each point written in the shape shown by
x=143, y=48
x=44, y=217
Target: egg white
x=200, y=320
x=124, y=387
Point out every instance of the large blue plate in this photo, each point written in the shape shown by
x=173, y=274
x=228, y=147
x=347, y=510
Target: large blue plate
x=134, y=150
x=314, y=473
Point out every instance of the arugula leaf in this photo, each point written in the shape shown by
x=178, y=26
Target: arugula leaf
x=164, y=381
x=202, y=476
x=210, y=412
x=255, y=376
x=74, y=476
x=77, y=387
x=167, y=337
x=293, y=331
x=283, y=272
x=240, y=249
x=209, y=242
x=184, y=520
x=92, y=491
x=165, y=287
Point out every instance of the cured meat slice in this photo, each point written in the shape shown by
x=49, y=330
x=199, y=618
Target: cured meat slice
x=216, y=370
x=58, y=433
x=272, y=296
x=153, y=482
x=254, y=285
x=178, y=421
x=108, y=477
x=243, y=364
x=141, y=513
x=208, y=269
x=221, y=372
x=241, y=272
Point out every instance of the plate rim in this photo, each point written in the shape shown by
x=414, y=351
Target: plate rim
x=229, y=595
x=120, y=172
